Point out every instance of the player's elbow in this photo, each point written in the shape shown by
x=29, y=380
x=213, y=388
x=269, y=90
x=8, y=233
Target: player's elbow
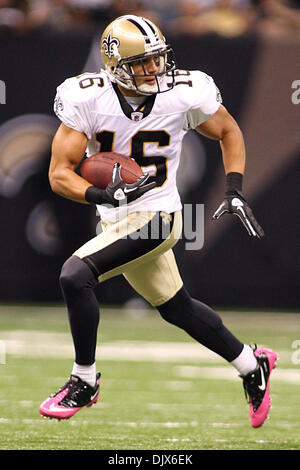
x=231, y=132
x=55, y=178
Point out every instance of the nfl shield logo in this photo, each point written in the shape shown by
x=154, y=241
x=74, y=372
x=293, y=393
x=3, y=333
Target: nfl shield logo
x=137, y=116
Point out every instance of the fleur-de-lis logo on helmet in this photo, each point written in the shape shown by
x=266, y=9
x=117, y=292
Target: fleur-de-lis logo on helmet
x=109, y=43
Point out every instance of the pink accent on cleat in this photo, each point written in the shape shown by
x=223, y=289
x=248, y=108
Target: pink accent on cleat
x=54, y=406
x=259, y=415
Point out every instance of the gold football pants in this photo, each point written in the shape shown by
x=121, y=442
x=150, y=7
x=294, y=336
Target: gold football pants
x=140, y=248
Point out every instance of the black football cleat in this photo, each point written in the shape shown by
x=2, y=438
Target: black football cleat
x=257, y=386
x=72, y=397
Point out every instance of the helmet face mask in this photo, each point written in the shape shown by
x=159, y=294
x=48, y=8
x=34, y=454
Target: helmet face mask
x=127, y=46
x=163, y=62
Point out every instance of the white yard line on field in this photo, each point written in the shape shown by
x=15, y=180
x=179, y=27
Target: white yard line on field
x=40, y=344
x=228, y=373
x=25, y=343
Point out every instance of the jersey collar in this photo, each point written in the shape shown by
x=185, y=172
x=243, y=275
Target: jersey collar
x=143, y=110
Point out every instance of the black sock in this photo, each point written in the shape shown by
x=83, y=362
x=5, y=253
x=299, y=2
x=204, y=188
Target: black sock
x=202, y=323
x=77, y=282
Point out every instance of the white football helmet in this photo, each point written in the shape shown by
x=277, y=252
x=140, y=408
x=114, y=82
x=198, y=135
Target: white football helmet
x=130, y=40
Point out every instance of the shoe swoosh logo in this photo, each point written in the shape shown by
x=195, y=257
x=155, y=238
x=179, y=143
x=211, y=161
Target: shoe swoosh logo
x=263, y=382
x=94, y=396
x=53, y=407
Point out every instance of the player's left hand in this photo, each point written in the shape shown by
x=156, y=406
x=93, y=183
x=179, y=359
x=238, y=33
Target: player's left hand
x=235, y=203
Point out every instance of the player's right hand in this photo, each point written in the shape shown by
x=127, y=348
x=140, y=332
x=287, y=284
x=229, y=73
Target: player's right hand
x=118, y=191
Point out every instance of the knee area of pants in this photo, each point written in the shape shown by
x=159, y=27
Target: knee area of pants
x=74, y=275
x=186, y=314
x=173, y=311
x=68, y=281
x=170, y=316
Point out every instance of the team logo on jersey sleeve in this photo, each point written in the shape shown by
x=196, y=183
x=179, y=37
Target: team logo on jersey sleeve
x=109, y=43
x=58, y=105
x=218, y=95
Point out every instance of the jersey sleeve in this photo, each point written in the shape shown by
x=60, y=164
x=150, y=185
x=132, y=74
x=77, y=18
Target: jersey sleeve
x=74, y=108
x=206, y=100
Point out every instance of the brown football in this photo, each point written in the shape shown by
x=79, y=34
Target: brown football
x=98, y=168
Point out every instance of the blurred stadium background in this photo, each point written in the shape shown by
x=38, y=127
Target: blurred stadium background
x=252, y=49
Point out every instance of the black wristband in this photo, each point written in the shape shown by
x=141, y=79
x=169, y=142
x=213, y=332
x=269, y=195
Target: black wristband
x=234, y=182
x=95, y=195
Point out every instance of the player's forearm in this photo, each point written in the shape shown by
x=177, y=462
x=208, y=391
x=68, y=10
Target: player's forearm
x=233, y=151
x=68, y=184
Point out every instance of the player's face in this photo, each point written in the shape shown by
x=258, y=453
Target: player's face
x=148, y=68
x=144, y=72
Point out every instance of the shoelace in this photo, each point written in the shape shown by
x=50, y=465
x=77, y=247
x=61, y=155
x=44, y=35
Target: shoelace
x=74, y=389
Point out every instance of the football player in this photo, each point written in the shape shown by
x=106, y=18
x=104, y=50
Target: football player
x=141, y=106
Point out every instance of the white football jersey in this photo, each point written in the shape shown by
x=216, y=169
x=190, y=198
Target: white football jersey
x=152, y=134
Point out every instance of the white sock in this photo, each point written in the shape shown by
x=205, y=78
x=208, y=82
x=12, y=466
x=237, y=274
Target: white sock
x=86, y=373
x=246, y=362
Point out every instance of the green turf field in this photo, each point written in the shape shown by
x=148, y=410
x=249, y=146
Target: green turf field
x=160, y=389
